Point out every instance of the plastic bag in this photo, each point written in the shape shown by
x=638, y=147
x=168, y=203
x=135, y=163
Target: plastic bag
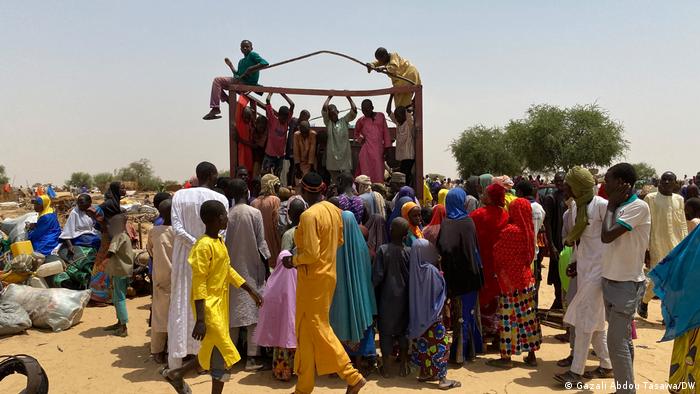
x=13, y=318
x=16, y=228
x=58, y=309
x=564, y=260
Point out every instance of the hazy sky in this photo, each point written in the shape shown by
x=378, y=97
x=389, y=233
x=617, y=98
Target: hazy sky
x=93, y=85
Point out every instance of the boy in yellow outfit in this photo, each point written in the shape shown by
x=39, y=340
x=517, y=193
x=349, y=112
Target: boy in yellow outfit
x=211, y=276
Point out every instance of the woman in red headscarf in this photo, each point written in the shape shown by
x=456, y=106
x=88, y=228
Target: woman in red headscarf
x=513, y=254
x=489, y=220
x=431, y=231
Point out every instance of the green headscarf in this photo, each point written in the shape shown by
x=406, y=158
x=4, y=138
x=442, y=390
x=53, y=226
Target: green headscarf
x=485, y=180
x=581, y=182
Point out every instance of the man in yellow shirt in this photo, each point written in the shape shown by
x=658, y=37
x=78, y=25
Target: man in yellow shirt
x=396, y=66
x=317, y=238
x=211, y=275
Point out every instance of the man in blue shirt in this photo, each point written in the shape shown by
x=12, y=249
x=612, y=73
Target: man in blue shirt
x=248, y=73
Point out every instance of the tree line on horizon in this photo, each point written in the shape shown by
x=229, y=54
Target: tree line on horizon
x=140, y=173
x=548, y=139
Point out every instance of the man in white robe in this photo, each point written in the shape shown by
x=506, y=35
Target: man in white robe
x=586, y=312
x=188, y=227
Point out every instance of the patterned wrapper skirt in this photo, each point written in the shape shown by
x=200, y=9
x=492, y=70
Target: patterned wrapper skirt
x=432, y=351
x=99, y=280
x=519, y=327
x=685, y=362
x=467, y=341
x=365, y=348
x=283, y=363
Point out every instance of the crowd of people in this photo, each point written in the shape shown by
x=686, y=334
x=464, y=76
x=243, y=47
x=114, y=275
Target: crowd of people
x=338, y=266
x=318, y=272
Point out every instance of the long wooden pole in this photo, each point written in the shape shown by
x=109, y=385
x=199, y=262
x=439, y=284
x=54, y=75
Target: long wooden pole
x=341, y=55
x=324, y=92
x=418, y=119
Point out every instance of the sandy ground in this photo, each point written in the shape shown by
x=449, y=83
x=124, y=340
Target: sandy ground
x=86, y=360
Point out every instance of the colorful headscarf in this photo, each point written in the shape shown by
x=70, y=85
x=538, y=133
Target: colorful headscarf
x=432, y=230
x=396, y=213
x=276, y=316
x=353, y=204
x=376, y=225
x=581, y=182
x=427, y=196
x=426, y=288
x=520, y=215
x=515, y=249
x=485, y=180
x=354, y=303
x=496, y=195
x=407, y=207
x=454, y=204
x=406, y=191
x=439, y=213
x=504, y=181
x=364, y=184
x=267, y=184
x=673, y=278
x=441, y=196
x=45, y=202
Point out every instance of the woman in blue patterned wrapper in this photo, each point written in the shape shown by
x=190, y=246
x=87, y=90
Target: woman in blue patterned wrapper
x=427, y=296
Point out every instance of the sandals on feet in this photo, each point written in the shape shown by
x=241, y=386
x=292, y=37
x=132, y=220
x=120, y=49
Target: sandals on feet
x=357, y=387
x=212, y=116
x=180, y=386
x=530, y=361
x=449, y=384
x=569, y=379
x=566, y=362
x=599, y=373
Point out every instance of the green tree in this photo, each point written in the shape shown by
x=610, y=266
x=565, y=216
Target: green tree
x=644, y=171
x=552, y=138
x=3, y=176
x=152, y=183
x=102, y=180
x=140, y=172
x=481, y=150
x=80, y=179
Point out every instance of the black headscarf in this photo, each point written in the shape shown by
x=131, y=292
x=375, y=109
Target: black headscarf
x=111, y=205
